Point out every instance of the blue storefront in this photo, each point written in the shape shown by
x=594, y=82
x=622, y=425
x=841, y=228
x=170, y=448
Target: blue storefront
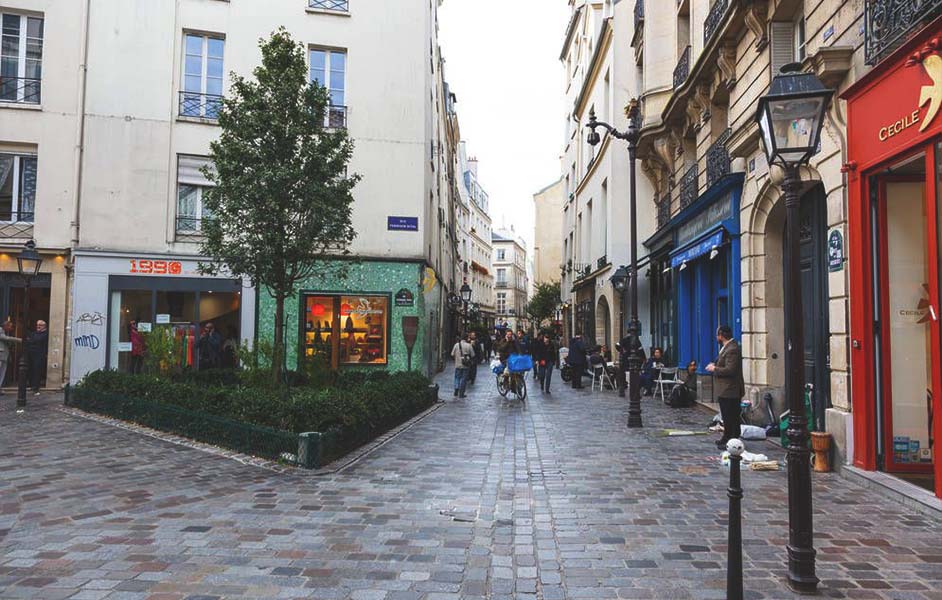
x=705, y=263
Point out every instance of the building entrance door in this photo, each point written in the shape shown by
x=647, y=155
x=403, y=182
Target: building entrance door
x=907, y=328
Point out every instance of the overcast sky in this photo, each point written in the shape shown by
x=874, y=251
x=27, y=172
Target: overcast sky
x=502, y=62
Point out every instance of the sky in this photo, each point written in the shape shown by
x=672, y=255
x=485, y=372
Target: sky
x=502, y=62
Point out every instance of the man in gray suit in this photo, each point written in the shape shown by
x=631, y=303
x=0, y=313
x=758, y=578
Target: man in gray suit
x=728, y=384
x=5, y=349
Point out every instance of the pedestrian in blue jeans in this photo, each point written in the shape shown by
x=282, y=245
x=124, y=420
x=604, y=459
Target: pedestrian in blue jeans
x=463, y=354
x=544, y=355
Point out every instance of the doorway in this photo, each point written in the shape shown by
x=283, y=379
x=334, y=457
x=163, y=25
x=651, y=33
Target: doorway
x=906, y=330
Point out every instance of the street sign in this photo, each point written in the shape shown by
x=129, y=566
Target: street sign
x=402, y=223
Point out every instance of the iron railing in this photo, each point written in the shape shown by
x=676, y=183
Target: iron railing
x=21, y=90
x=888, y=23
x=501, y=284
x=663, y=211
x=714, y=19
x=717, y=159
x=16, y=225
x=689, y=187
x=200, y=106
x=190, y=225
x=336, y=117
x=682, y=70
x=338, y=5
x=602, y=261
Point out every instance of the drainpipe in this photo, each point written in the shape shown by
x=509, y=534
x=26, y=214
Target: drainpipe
x=80, y=127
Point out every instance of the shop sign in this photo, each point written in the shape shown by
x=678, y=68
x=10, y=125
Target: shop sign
x=145, y=266
x=163, y=319
x=717, y=212
x=835, y=251
x=124, y=346
x=145, y=327
x=405, y=298
x=402, y=223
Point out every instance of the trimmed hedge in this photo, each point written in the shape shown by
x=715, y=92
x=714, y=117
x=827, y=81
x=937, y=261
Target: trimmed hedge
x=355, y=409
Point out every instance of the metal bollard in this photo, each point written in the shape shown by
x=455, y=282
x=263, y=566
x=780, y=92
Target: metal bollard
x=734, y=544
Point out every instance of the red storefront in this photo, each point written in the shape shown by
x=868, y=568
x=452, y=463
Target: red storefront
x=895, y=203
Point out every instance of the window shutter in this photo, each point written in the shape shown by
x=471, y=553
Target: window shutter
x=189, y=173
x=782, y=46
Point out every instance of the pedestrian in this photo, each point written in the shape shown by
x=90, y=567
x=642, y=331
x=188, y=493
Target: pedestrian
x=545, y=360
x=728, y=383
x=37, y=351
x=651, y=371
x=6, y=339
x=685, y=394
x=577, y=360
x=477, y=351
x=137, y=349
x=507, y=346
x=210, y=347
x=463, y=354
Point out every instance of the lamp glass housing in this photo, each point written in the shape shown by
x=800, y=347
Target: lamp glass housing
x=466, y=293
x=28, y=261
x=791, y=116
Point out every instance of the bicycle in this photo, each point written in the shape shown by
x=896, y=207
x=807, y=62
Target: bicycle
x=513, y=382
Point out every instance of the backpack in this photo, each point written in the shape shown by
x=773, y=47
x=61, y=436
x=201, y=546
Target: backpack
x=466, y=359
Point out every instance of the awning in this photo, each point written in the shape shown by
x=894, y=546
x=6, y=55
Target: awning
x=697, y=249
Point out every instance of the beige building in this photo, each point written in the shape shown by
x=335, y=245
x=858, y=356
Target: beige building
x=509, y=265
x=475, y=244
x=548, y=224
x=106, y=125
x=600, y=77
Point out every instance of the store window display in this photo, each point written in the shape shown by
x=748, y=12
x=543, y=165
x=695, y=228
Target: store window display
x=354, y=329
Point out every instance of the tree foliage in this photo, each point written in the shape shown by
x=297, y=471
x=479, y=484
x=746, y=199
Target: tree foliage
x=542, y=306
x=282, y=202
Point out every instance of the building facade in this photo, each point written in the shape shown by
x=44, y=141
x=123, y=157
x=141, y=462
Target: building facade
x=510, y=279
x=600, y=78
x=548, y=206
x=475, y=231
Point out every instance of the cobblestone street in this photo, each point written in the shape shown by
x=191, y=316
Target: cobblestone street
x=484, y=498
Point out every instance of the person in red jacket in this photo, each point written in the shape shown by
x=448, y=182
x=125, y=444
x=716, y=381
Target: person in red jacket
x=138, y=347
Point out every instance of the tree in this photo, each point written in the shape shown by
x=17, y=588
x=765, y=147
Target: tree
x=543, y=305
x=281, y=205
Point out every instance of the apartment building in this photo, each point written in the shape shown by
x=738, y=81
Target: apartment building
x=717, y=252
x=106, y=116
x=476, y=249
x=548, y=224
x=510, y=279
x=600, y=77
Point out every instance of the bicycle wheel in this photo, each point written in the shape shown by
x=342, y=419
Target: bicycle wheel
x=521, y=390
x=502, y=388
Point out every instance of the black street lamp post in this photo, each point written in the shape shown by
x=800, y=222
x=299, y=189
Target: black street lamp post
x=27, y=262
x=790, y=118
x=466, y=301
x=635, y=359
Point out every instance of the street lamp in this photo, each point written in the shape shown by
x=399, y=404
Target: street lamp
x=465, y=292
x=790, y=118
x=635, y=359
x=27, y=263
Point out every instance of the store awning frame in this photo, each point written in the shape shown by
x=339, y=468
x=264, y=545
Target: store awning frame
x=698, y=248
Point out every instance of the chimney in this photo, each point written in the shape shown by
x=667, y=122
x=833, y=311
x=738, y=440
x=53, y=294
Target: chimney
x=473, y=165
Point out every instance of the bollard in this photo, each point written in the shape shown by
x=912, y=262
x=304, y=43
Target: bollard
x=734, y=544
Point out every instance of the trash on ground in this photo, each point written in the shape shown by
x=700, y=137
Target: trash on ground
x=764, y=465
x=679, y=432
x=751, y=432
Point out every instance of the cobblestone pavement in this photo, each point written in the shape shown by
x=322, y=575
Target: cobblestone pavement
x=485, y=498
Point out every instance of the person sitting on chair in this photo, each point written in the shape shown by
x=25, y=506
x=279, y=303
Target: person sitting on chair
x=651, y=372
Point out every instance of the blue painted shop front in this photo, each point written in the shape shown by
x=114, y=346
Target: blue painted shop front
x=707, y=267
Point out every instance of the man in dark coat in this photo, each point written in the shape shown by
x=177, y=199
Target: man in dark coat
x=37, y=350
x=577, y=360
x=728, y=383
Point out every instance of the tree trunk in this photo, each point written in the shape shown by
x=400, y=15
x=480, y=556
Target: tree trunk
x=279, y=345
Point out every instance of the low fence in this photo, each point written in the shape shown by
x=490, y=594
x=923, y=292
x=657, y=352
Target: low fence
x=307, y=450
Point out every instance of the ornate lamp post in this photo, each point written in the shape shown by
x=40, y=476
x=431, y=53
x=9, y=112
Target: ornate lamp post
x=27, y=263
x=466, y=300
x=634, y=325
x=620, y=282
x=790, y=118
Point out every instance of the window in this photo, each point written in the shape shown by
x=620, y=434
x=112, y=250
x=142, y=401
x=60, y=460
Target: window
x=337, y=5
x=329, y=69
x=800, y=39
x=17, y=188
x=191, y=186
x=501, y=254
x=21, y=58
x=201, y=96
x=355, y=328
x=501, y=276
x=501, y=302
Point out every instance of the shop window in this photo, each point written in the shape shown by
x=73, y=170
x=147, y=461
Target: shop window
x=355, y=329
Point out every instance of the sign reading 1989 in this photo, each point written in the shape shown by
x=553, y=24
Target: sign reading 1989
x=156, y=267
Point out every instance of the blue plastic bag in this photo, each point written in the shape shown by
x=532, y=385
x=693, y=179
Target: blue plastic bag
x=518, y=363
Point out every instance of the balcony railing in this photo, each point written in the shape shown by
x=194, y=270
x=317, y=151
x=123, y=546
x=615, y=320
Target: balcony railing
x=682, y=70
x=601, y=262
x=888, y=23
x=717, y=159
x=16, y=225
x=714, y=19
x=336, y=117
x=501, y=284
x=21, y=90
x=200, y=106
x=190, y=226
x=338, y=5
x=663, y=211
x=689, y=187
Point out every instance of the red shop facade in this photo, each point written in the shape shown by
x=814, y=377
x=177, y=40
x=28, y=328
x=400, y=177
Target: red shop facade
x=895, y=203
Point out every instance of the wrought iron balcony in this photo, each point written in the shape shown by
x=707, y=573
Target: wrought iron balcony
x=688, y=187
x=887, y=24
x=338, y=5
x=601, y=262
x=682, y=70
x=663, y=211
x=21, y=90
x=501, y=284
x=714, y=19
x=190, y=226
x=717, y=159
x=16, y=225
x=200, y=106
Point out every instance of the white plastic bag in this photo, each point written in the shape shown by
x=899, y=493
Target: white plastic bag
x=751, y=432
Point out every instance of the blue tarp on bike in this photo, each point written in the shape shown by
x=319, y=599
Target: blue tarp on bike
x=518, y=363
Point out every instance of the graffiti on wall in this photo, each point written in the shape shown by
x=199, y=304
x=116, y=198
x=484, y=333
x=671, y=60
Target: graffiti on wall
x=86, y=334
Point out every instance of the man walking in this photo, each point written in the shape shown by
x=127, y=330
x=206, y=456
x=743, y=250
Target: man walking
x=544, y=355
x=477, y=351
x=577, y=360
x=728, y=383
x=463, y=355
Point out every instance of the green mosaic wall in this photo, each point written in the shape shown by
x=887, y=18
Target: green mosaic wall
x=363, y=277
